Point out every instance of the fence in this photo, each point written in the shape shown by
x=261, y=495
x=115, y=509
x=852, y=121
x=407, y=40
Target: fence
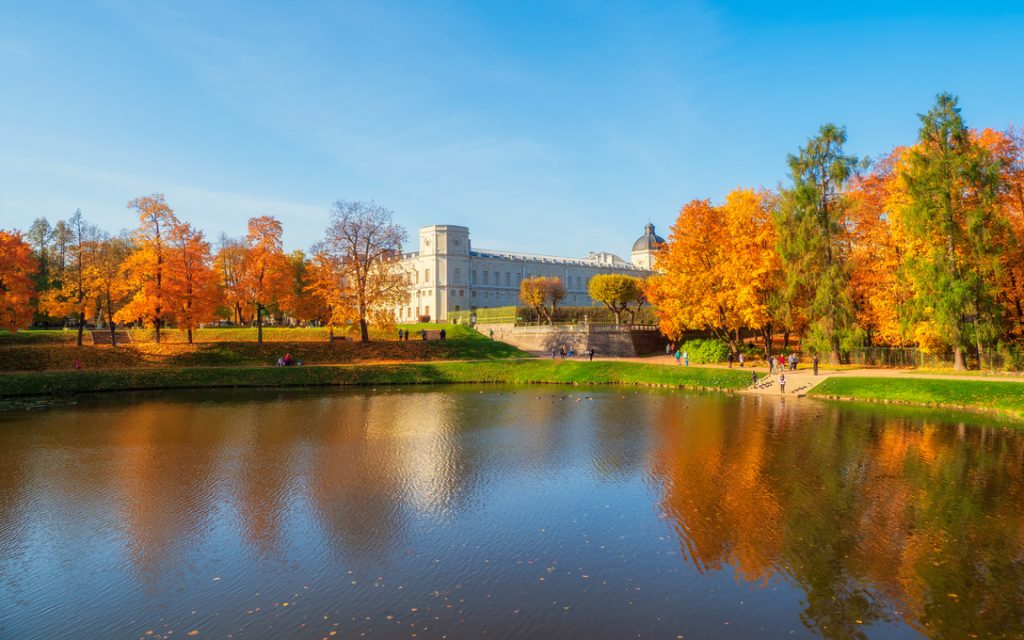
x=914, y=357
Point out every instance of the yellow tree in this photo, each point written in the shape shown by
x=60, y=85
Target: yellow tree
x=145, y=270
x=105, y=278
x=70, y=294
x=617, y=292
x=750, y=266
x=691, y=290
x=229, y=262
x=326, y=283
x=192, y=278
x=264, y=269
x=16, y=288
x=299, y=303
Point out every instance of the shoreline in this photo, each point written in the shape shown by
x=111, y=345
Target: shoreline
x=980, y=397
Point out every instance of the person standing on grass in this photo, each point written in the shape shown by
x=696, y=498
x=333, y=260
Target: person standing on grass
x=782, y=382
x=814, y=361
x=753, y=377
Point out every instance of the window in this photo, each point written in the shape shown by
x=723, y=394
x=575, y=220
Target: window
x=487, y=294
x=426, y=275
x=508, y=279
x=486, y=276
x=472, y=277
x=578, y=283
x=474, y=294
x=457, y=274
x=417, y=277
x=497, y=278
x=457, y=307
x=426, y=310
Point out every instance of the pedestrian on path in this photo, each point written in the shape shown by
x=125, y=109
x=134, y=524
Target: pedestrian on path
x=729, y=358
x=591, y=354
x=686, y=358
x=814, y=361
x=771, y=365
x=668, y=348
x=679, y=356
x=741, y=360
x=782, y=383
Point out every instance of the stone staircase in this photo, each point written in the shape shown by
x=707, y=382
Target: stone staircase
x=795, y=385
x=122, y=336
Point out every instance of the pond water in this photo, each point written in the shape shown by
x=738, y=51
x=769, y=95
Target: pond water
x=496, y=512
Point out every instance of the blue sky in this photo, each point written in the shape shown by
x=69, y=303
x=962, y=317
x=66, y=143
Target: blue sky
x=556, y=127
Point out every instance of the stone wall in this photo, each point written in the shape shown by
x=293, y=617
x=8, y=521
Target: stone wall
x=606, y=340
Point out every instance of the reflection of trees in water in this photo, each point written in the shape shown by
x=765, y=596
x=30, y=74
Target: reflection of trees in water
x=872, y=517
x=166, y=475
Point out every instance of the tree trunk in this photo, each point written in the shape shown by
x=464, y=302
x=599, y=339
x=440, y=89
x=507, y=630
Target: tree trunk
x=157, y=323
x=190, y=335
x=785, y=339
x=259, y=323
x=364, y=330
x=81, y=326
x=766, y=336
x=958, y=359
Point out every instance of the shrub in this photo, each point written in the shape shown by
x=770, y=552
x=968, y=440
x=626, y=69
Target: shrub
x=706, y=351
x=424, y=318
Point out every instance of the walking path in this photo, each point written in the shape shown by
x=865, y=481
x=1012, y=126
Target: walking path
x=802, y=380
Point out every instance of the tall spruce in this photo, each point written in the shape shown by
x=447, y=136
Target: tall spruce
x=813, y=246
x=952, y=219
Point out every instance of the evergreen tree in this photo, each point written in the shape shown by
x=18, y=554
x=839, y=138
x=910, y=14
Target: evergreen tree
x=951, y=218
x=813, y=246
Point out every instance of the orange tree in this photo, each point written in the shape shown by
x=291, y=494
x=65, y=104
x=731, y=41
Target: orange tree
x=192, y=278
x=264, y=269
x=16, y=288
x=229, y=262
x=691, y=290
x=108, y=287
x=145, y=270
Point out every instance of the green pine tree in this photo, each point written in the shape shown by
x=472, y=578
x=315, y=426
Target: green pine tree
x=812, y=243
x=952, y=184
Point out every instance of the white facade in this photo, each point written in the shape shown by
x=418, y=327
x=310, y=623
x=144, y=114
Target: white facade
x=446, y=274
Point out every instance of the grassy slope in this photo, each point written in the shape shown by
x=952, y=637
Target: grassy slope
x=511, y=371
x=228, y=334
x=50, y=353
x=985, y=395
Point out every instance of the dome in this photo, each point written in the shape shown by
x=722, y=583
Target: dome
x=649, y=241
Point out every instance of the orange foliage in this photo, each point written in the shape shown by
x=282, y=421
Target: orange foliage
x=16, y=287
x=145, y=270
x=265, y=269
x=191, y=278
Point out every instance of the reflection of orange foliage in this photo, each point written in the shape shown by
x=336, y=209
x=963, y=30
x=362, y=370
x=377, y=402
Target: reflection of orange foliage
x=16, y=288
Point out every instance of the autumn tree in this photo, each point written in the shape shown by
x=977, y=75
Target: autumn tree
x=299, y=302
x=689, y=290
x=617, y=292
x=229, y=263
x=39, y=236
x=264, y=269
x=71, y=292
x=108, y=285
x=17, y=291
x=811, y=225
x=542, y=294
x=191, y=277
x=145, y=270
x=361, y=253
x=750, y=267
x=952, y=188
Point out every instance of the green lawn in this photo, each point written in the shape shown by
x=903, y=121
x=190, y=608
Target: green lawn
x=511, y=371
x=984, y=395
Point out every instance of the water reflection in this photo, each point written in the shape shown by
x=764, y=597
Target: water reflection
x=513, y=510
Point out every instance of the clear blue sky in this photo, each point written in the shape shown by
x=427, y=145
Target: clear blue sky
x=553, y=127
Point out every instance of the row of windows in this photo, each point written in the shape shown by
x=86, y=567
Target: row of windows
x=486, y=277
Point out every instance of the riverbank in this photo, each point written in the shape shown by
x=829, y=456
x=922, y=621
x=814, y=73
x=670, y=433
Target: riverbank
x=1002, y=397
x=525, y=371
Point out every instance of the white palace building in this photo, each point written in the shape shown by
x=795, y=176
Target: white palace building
x=447, y=274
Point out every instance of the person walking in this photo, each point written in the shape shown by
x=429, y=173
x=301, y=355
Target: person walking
x=491, y=334
x=729, y=358
x=686, y=358
x=753, y=377
x=814, y=361
x=561, y=352
x=741, y=359
x=554, y=353
x=678, y=356
x=782, y=382
x=591, y=353
x=444, y=334
x=668, y=348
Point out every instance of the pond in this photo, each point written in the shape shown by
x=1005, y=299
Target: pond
x=497, y=512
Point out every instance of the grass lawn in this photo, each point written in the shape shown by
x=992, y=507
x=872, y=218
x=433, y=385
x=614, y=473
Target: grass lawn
x=510, y=371
x=1007, y=397
x=23, y=353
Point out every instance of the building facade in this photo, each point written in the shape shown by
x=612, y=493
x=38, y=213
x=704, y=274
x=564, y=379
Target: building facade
x=447, y=274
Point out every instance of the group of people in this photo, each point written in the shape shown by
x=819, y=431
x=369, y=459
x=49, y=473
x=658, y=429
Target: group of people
x=287, y=361
x=564, y=352
x=403, y=335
